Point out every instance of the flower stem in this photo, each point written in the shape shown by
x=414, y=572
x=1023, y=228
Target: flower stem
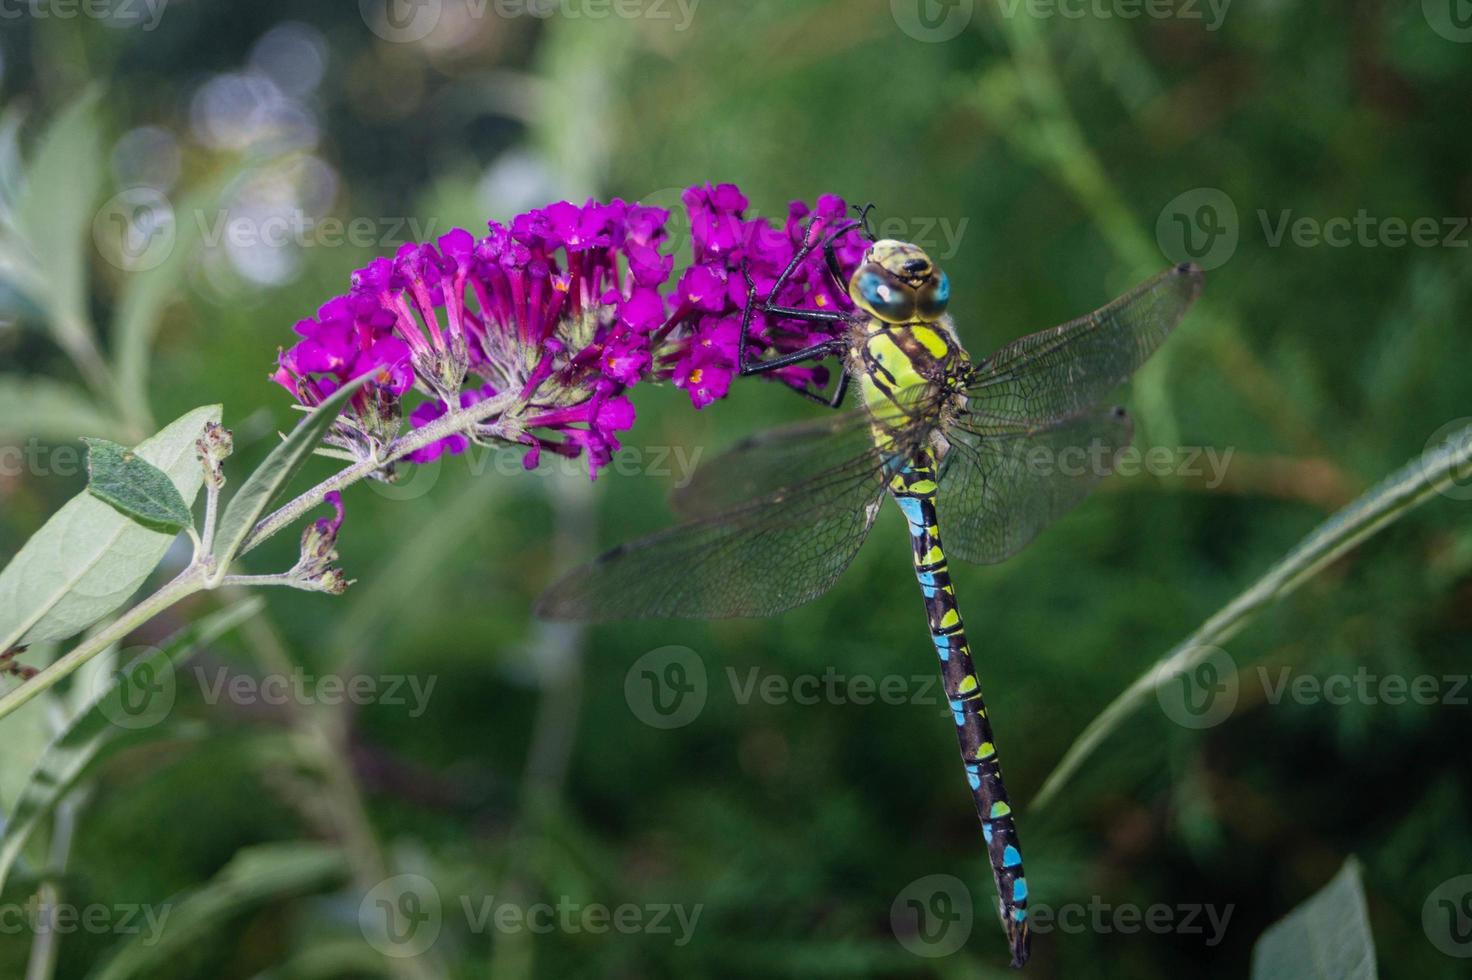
x=447, y=425
x=190, y=581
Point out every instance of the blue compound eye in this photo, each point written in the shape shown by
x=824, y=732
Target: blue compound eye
x=934, y=297
x=884, y=297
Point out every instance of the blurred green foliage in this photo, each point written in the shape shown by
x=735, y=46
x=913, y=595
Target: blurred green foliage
x=1042, y=159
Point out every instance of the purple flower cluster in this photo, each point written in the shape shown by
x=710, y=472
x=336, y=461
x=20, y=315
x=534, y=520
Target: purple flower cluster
x=556, y=317
x=711, y=296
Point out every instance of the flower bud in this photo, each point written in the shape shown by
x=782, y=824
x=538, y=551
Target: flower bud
x=213, y=448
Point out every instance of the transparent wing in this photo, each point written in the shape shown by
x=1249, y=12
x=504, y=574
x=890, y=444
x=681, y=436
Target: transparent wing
x=1058, y=373
x=760, y=559
x=998, y=491
x=783, y=460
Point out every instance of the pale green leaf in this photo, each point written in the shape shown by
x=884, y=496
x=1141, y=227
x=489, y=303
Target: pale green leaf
x=284, y=462
x=91, y=734
x=1325, y=938
x=88, y=559
x=57, y=205
x=254, y=877
x=1420, y=480
x=135, y=487
x=47, y=410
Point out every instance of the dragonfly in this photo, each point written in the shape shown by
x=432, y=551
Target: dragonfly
x=973, y=454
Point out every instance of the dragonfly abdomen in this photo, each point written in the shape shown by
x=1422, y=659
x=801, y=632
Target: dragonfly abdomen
x=914, y=489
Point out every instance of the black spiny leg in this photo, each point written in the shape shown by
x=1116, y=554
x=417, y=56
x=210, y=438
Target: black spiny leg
x=828, y=348
x=817, y=352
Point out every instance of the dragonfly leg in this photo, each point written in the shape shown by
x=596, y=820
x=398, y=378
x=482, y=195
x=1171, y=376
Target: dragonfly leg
x=816, y=352
x=914, y=489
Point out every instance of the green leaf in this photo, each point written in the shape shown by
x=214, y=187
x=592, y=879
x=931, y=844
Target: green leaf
x=1325, y=938
x=57, y=205
x=92, y=734
x=255, y=876
x=1409, y=487
x=88, y=559
x=285, y=461
x=41, y=408
x=135, y=487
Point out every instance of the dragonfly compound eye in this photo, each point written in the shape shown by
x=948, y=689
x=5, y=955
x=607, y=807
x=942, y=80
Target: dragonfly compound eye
x=883, y=295
x=934, y=297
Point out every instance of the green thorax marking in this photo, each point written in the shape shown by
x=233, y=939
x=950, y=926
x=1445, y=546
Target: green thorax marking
x=897, y=363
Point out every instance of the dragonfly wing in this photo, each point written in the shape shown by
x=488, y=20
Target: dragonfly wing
x=1056, y=374
x=997, y=491
x=781, y=460
x=757, y=560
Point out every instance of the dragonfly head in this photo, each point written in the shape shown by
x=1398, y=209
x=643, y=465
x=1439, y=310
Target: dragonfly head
x=898, y=283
